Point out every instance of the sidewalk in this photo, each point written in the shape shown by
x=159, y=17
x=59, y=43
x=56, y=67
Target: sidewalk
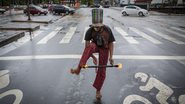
x=11, y=31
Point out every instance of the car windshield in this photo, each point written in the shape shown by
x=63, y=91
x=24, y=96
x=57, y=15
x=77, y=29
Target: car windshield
x=37, y=7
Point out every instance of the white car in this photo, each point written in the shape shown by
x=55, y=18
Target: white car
x=134, y=10
x=2, y=11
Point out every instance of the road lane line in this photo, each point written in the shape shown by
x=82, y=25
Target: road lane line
x=145, y=36
x=181, y=61
x=49, y=36
x=76, y=56
x=165, y=36
x=126, y=36
x=178, y=29
x=175, y=33
x=86, y=28
x=68, y=35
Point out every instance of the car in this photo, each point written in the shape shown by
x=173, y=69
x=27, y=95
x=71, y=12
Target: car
x=35, y=10
x=2, y=10
x=95, y=6
x=83, y=6
x=63, y=9
x=106, y=6
x=50, y=7
x=71, y=10
x=134, y=10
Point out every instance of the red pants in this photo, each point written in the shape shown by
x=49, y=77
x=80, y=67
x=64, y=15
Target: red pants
x=103, y=58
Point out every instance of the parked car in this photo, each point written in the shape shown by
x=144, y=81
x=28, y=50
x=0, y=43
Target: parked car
x=83, y=6
x=134, y=10
x=71, y=10
x=106, y=6
x=2, y=10
x=50, y=8
x=63, y=9
x=36, y=10
x=95, y=6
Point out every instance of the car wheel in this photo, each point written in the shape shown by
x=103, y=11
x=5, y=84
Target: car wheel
x=33, y=14
x=124, y=13
x=140, y=14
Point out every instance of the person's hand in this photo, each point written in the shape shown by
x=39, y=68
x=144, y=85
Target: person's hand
x=111, y=61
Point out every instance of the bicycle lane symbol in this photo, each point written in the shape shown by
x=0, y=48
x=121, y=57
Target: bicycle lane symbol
x=4, y=82
x=164, y=91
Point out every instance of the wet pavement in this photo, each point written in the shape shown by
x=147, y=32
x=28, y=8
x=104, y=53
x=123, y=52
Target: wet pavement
x=18, y=21
x=152, y=54
x=7, y=37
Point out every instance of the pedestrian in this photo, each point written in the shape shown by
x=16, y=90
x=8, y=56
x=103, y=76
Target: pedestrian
x=98, y=39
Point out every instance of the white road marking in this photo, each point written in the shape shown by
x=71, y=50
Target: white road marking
x=37, y=33
x=164, y=91
x=44, y=28
x=126, y=36
x=69, y=35
x=165, y=36
x=175, y=33
x=143, y=77
x=16, y=92
x=175, y=28
x=181, y=61
x=145, y=35
x=182, y=99
x=131, y=98
x=75, y=56
x=86, y=28
x=4, y=78
x=49, y=36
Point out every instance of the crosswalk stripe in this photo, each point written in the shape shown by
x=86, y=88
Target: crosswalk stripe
x=49, y=36
x=126, y=36
x=175, y=28
x=86, y=28
x=145, y=36
x=69, y=35
x=37, y=33
x=181, y=61
x=165, y=36
x=175, y=33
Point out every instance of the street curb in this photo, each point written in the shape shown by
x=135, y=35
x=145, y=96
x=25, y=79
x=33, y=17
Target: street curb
x=11, y=39
x=45, y=22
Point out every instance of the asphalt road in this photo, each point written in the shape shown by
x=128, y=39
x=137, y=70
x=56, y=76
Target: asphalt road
x=151, y=50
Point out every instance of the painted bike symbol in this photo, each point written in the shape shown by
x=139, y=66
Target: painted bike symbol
x=164, y=91
x=4, y=82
